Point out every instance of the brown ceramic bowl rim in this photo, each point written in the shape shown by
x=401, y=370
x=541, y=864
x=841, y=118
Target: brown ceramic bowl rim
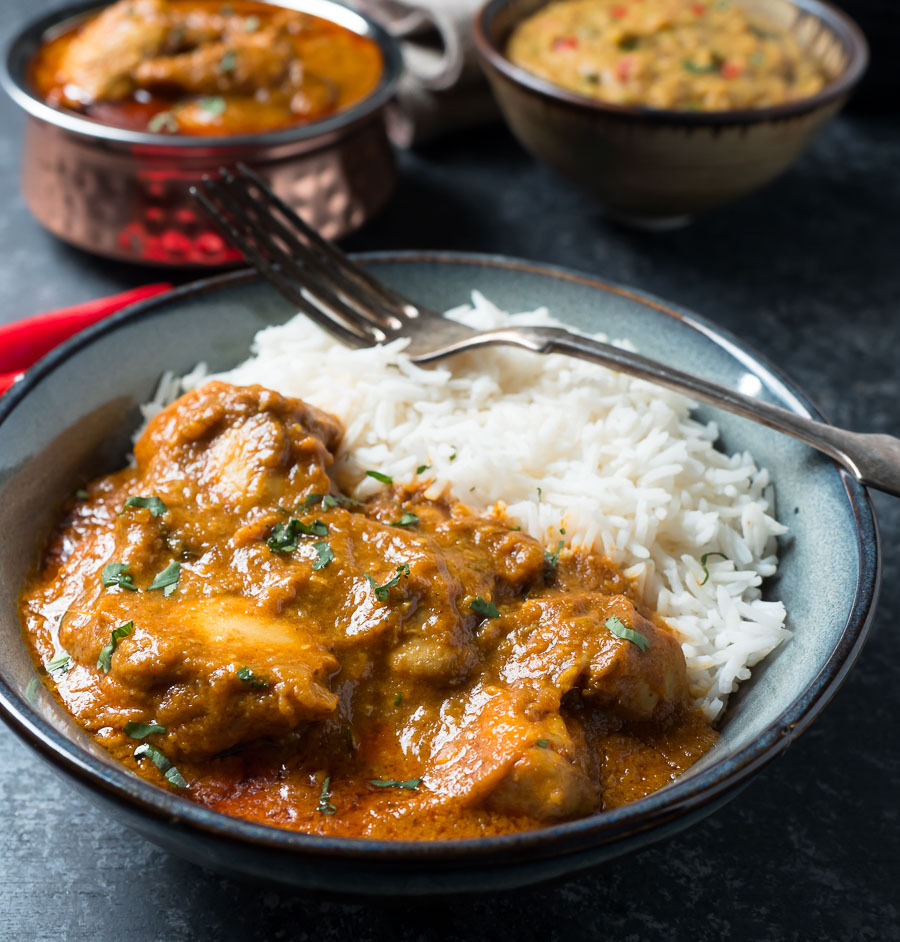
x=846, y=30
x=24, y=43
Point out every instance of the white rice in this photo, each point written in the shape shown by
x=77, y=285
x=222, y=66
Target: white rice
x=615, y=462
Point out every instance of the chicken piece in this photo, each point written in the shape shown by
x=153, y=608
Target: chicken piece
x=100, y=61
x=236, y=446
x=242, y=65
x=564, y=639
x=186, y=664
x=512, y=753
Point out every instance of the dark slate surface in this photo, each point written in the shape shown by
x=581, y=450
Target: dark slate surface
x=808, y=272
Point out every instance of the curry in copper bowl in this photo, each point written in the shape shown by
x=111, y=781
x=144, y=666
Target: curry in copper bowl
x=203, y=67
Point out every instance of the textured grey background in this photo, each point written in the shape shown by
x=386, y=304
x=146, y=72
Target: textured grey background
x=809, y=273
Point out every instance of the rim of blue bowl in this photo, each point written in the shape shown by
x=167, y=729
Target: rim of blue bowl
x=24, y=43
x=841, y=25
x=687, y=794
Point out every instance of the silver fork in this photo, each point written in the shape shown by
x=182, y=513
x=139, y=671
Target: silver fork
x=353, y=306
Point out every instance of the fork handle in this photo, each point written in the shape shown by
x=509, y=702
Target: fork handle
x=874, y=460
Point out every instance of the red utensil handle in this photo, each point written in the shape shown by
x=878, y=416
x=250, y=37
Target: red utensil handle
x=24, y=342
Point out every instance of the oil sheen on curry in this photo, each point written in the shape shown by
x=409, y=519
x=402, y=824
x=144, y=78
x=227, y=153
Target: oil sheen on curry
x=205, y=67
x=230, y=625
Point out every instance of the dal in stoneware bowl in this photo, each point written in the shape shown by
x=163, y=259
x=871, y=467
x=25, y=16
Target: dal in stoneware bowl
x=73, y=416
x=654, y=167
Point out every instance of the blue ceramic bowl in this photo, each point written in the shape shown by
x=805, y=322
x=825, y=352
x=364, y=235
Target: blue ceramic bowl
x=72, y=417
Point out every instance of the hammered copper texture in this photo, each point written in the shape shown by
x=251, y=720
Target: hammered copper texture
x=133, y=203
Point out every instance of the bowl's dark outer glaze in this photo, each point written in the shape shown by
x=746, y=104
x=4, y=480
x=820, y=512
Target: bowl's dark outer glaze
x=70, y=418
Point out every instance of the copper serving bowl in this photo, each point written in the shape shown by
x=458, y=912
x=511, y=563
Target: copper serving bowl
x=124, y=194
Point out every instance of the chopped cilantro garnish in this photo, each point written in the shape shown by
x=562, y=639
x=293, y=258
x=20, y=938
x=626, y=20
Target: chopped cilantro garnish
x=152, y=503
x=60, y=664
x=329, y=501
x=325, y=806
x=552, y=559
x=690, y=66
x=104, y=661
x=703, y=565
x=422, y=468
x=170, y=773
x=81, y=494
x=543, y=743
x=142, y=730
x=398, y=699
x=406, y=520
x=285, y=536
x=382, y=591
x=409, y=784
x=229, y=61
x=384, y=478
x=485, y=609
x=163, y=122
x=167, y=579
x=215, y=106
x=248, y=677
x=323, y=555
x=116, y=574
x=620, y=630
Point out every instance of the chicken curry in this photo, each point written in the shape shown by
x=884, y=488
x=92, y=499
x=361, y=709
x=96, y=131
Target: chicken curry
x=229, y=624
x=205, y=67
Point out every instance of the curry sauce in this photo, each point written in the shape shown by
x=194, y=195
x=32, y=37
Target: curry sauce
x=205, y=67
x=227, y=623
x=687, y=55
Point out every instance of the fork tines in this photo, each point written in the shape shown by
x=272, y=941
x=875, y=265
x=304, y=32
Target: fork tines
x=309, y=271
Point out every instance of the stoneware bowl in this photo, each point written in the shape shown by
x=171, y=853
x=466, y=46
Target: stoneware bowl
x=125, y=194
x=656, y=168
x=73, y=415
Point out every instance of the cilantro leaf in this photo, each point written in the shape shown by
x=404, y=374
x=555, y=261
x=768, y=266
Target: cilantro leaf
x=422, y=468
x=409, y=784
x=163, y=122
x=485, y=609
x=329, y=501
x=323, y=555
x=248, y=677
x=171, y=774
x=383, y=591
x=152, y=503
x=116, y=574
x=60, y=664
x=215, y=105
x=620, y=630
x=552, y=559
x=406, y=520
x=167, y=580
x=104, y=661
x=142, y=730
x=703, y=566
x=384, y=478
x=285, y=537
x=325, y=806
